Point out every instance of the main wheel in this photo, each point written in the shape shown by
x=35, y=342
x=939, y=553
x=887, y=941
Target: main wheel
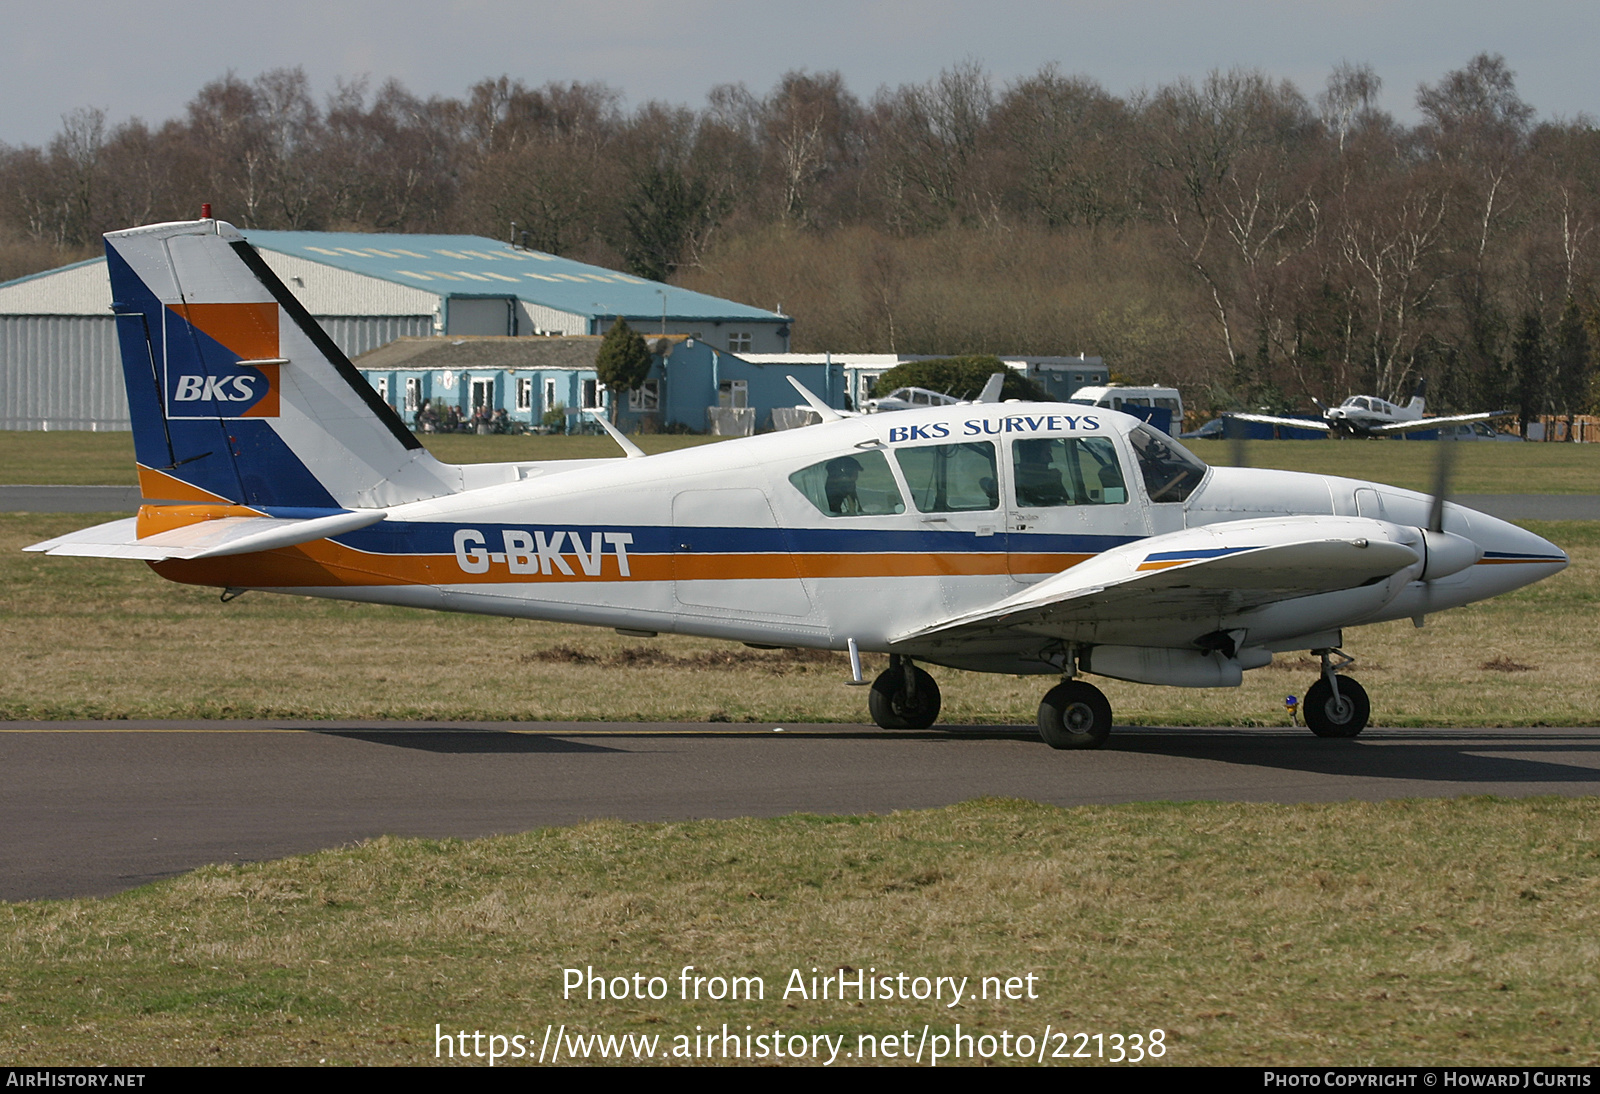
x=1342, y=717
x=892, y=708
x=1075, y=715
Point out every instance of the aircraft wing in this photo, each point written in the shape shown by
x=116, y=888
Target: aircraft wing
x=1435, y=423
x=205, y=538
x=1189, y=581
x=1290, y=423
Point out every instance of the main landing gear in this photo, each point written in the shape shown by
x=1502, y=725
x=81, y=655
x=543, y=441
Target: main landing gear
x=1075, y=714
x=903, y=696
x=1335, y=706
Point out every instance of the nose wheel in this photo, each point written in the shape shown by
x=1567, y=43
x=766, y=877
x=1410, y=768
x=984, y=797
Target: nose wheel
x=1075, y=715
x=903, y=697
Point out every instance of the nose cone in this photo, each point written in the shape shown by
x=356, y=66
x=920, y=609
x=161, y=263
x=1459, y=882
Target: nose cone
x=1512, y=556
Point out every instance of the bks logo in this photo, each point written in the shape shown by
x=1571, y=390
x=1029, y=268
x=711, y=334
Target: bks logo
x=226, y=389
x=251, y=392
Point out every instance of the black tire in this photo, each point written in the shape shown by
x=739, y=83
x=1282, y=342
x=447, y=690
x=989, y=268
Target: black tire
x=888, y=701
x=1343, y=718
x=1075, y=715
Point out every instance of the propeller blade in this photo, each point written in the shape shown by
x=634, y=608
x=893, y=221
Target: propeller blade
x=1443, y=470
x=1238, y=434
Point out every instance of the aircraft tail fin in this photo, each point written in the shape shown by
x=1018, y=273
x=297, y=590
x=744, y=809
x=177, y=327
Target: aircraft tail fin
x=1419, y=397
x=237, y=396
x=991, y=388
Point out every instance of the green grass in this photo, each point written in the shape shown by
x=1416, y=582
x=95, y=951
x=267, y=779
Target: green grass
x=1249, y=934
x=107, y=458
x=1484, y=468
x=105, y=638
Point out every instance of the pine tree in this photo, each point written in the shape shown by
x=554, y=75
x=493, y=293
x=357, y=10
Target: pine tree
x=623, y=362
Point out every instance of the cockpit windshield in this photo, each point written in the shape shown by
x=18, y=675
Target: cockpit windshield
x=1171, y=472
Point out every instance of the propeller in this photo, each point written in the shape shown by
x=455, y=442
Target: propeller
x=1238, y=435
x=1446, y=553
x=1444, y=463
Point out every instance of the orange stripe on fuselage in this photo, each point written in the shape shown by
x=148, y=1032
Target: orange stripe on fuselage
x=325, y=564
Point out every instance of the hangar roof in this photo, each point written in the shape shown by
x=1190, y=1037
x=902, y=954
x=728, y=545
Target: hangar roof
x=446, y=265
x=477, y=266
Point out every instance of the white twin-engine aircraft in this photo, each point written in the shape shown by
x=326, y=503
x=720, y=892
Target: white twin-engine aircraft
x=1370, y=416
x=1018, y=538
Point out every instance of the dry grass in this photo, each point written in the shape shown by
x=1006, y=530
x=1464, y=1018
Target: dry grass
x=91, y=638
x=1250, y=934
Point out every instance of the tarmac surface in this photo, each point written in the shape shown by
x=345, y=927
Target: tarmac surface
x=92, y=808
x=125, y=499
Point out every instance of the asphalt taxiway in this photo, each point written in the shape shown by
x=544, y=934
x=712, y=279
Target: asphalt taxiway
x=91, y=808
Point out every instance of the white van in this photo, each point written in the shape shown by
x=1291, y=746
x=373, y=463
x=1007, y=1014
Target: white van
x=1162, y=407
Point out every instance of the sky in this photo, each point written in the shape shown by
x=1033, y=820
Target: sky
x=147, y=60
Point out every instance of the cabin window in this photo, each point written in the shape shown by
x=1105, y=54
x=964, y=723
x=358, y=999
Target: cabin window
x=951, y=478
x=859, y=484
x=1067, y=471
x=1170, y=471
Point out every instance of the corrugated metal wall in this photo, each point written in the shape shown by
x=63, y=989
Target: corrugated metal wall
x=65, y=372
x=61, y=372
x=356, y=334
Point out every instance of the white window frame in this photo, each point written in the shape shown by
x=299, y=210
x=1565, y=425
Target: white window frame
x=413, y=393
x=382, y=384
x=549, y=394
x=590, y=397
x=486, y=385
x=733, y=393
x=525, y=393
x=646, y=397
x=740, y=341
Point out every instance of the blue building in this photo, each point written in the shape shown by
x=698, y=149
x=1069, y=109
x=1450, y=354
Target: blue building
x=553, y=380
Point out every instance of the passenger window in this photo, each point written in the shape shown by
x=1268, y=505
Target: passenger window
x=1067, y=471
x=860, y=484
x=951, y=478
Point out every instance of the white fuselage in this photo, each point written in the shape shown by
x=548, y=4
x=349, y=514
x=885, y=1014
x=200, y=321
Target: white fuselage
x=720, y=541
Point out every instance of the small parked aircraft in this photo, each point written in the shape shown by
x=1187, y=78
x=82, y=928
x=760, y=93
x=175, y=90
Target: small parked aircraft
x=915, y=398
x=1044, y=538
x=1370, y=416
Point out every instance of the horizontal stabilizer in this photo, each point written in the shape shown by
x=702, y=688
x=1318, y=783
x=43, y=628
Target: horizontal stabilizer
x=206, y=538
